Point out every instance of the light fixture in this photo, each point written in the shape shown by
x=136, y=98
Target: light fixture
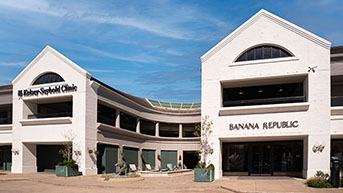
x=280, y=90
x=240, y=92
x=260, y=91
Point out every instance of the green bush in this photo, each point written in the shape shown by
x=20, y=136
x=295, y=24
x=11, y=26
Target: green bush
x=70, y=163
x=201, y=165
x=211, y=166
x=320, y=180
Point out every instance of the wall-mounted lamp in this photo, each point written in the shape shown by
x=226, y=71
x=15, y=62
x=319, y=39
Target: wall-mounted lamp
x=15, y=151
x=77, y=152
x=318, y=148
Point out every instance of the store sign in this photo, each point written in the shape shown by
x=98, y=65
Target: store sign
x=264, y=125
x=48, y=91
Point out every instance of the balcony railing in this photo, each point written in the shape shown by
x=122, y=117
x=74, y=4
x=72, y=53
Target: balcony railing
x=266, y=101
x=336, y=101
x=50, y=115
x=4, y=121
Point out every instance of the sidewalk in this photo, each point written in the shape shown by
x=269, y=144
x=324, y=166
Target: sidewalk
x=275, y=185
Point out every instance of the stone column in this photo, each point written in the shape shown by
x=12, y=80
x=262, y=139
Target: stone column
x=180, y=130
x=157, y=129
x=138, y=125
x=157, y=162
x=24, y=158
x=140, y=161
x=180, y=155
x=117, y=118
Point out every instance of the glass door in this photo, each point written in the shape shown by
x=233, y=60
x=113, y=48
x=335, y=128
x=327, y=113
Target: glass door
x=260, y=159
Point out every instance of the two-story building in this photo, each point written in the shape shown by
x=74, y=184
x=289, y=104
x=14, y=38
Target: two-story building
x=266, y=88
x=273, y=90
x=53, y=102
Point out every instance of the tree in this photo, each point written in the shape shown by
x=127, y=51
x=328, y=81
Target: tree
x=67, y=151
x=204, y=131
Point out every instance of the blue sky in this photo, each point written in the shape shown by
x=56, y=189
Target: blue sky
x=150, y=49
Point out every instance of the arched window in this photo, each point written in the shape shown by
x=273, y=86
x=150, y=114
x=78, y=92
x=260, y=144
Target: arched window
x=263, y=52
x=48, y=78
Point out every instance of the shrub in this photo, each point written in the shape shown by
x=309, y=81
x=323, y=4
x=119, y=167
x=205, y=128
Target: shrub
x=70, y=163
x=211, y=167
x=201, y=165
x=320, y=180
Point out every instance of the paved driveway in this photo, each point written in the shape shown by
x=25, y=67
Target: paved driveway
x=49, y=183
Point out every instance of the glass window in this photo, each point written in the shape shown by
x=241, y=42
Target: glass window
x=235, y=158
x=128, y=122
x=106, y=115
x=188, y=130
x=251, y=55
x=48, y=78
x=275, y=52
x=266, y=94
x=147, y=127
x=169, y=130
x=267, y=52
x=62, y=109
x=263, y=52
x=288, y=156
x=258, y=53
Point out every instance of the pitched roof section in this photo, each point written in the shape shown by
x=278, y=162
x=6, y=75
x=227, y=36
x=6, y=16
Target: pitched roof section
x=57, y=54
x=278, y=20
x=187, y=107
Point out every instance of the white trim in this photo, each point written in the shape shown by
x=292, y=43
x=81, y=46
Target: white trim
x=46, y=121
x=256, y=109
x=278, y=20
x=6, y=127
x=336, y=117
x=264, y=61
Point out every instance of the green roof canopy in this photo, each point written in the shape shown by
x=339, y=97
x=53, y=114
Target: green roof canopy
x=171, y=105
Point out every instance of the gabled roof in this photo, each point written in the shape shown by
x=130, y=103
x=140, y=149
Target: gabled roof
x=57, y=54
x=278, y=20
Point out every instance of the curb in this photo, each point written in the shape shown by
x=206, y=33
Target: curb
x=237, y=191
x=13, y=179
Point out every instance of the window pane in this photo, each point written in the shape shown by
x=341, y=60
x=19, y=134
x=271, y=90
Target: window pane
x=267, y=52
x=275, y=52
x=259, y=53
x=284, y=53
x=242, y=57
x=251, y=54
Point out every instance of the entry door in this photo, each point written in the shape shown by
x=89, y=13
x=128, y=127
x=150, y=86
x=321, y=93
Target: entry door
x=260, y=155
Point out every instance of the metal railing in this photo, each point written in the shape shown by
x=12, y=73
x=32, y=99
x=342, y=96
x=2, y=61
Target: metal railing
x=279, y=100
x=50, y=115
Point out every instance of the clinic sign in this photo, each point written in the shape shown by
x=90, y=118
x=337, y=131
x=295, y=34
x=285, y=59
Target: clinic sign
x=264, y=125
x=48, y=90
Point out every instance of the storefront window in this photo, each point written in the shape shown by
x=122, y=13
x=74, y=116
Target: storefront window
x=235, y=158
x=288, y=156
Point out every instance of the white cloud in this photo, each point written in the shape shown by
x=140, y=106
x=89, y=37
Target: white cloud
x=172, y=20
x=98, y=70
x=13, y=64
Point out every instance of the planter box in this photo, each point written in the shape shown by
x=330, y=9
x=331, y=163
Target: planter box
x=203, y=175
x=67, y=171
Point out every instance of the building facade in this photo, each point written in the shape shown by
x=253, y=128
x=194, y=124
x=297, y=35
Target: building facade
x=273, y=90
x=53, y=102
x=267, y=89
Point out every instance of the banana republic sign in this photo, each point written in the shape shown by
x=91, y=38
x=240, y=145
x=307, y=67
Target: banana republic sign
x=47, y=91
x=264, y=125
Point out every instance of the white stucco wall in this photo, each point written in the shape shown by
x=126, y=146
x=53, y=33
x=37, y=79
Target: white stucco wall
x=82, y=124
x=314, y=121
